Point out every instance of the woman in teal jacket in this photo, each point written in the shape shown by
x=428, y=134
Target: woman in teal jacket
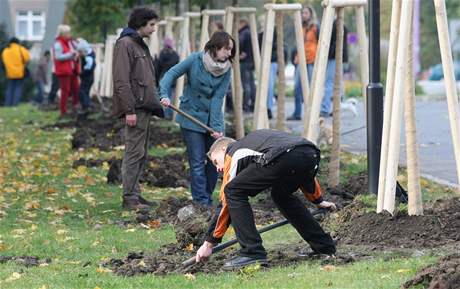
x=207, y=80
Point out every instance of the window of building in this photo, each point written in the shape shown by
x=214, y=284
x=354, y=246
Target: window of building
x=30, y=25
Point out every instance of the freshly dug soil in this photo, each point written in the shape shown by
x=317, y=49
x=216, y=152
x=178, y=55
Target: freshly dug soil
x=445, y=274
x=168, y=259
x=28, y=261
x=344, y=194
x=438, y=226
x=167, y=171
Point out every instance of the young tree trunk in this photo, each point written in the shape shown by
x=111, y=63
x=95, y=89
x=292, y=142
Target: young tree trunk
x=280, y=119
x=334, y=163
x=237, y=93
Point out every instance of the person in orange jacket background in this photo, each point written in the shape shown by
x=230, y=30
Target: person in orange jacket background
x=15, y=58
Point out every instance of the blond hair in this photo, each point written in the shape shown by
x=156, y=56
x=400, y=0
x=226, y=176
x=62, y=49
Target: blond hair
x=63, y=29
x=219, y=144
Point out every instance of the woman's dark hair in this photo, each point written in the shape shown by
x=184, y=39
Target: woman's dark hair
x=220, y=39
x=140, y=16
x=13, y=40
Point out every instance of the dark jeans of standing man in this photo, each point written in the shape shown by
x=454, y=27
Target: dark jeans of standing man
x=136, y=148
x=203, y=173
x=249, y=87
x=13, y=92
x=38, y=99
x=284, y=175
x=54, y=89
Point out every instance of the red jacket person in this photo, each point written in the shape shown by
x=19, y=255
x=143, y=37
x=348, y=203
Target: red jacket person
x=265, y=159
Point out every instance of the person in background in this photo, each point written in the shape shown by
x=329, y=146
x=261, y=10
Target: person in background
x=67, y=67
x=54, y=84
x=326, y=103
x=310, y=30
x=88, y=64
x=247, y=66
x=208, y=77
x=15, y=58
x=168, y=58
x=40, y=77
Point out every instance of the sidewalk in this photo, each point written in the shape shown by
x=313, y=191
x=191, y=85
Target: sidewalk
x=436, y=153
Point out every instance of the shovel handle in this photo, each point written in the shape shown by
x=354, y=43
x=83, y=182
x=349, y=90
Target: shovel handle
x=192, y=119
x=191, y=261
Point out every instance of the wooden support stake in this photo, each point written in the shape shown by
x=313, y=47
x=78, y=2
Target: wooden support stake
x=204, y=31
x=415, y=206
x=281, y=118
x=334, y=164
x=449, y=79
x=363, y=51
x=319, y=73
x=260, y=109
x=389, y=92
x=237, y=92
x=183, y=50
x=397, y=109
x=255, y=43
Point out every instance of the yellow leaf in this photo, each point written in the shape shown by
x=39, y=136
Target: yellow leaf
x=403, y=270
x=32, y=205
x=189, y=247
x=43, y=287
x=14, y=276
x=97, y=287
x=61, y=232
x=141, y=263
x=50, y=191
x=103, y=270
x=190, y=276
x=33, y=227
x=328, y=268
x=2, y=246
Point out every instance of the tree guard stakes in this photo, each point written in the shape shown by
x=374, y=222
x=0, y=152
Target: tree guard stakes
x=231, y=27
x=260, y=110
x=106, y=86
x=312, y=108
x=400, y=64
x=205, y=24
x=95, y=88
x=155, y=39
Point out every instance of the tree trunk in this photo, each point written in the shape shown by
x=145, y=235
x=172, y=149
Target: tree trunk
x=334, y=163
x=237, y=93
x=280, y=119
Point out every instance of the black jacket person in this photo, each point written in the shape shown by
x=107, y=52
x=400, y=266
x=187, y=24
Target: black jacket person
x=265, y=159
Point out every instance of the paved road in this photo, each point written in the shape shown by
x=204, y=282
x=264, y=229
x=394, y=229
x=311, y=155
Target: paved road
x=433, y=135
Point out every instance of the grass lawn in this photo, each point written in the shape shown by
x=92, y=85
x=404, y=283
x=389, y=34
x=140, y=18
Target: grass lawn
x=50, y=210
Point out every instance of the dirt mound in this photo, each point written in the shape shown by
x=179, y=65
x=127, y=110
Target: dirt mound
x=445, y=274
x=90, y=163
x=28, y=261
x=167, y=171
x=168, y=259
x=344, y=194
x=438, y=226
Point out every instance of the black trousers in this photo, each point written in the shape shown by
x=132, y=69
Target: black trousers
x=54, y=88
x=284, y=175
x=249, y=87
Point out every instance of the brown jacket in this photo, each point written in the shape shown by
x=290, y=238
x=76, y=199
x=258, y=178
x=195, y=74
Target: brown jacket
x=133, y=77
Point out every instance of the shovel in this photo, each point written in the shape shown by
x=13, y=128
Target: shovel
x=192, y=119
x=215, y=249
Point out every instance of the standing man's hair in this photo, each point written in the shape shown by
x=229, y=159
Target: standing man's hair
x=140, y=16
x=220, y=39
x=219, y=144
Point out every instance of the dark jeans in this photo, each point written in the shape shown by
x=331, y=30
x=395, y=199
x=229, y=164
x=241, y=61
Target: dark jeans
x=298, y=89
x=38, y=99
x=249, y=87
x=13, y=92
x=203, y=173
x=136, y=149
x=284, y=175
x=85, y=85
x=54, y=88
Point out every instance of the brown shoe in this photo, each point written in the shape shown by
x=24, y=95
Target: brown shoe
x=134, y=205
x=146, y=202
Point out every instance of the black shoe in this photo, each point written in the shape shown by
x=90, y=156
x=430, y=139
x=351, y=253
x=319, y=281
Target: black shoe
x=134, y=205
x=292, y=117
x=242, y=261
x=145, y=202
x=269, y=112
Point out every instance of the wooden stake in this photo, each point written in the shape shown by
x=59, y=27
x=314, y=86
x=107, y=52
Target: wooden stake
x=184, y=49
x=255, y=43
x=389, y=91
x=260, y=110
x=237, y=92
x=334, y=164
x=397, y=109
x=204, y=30
x=280, y=119
x=363, y=51
x=320, y=70
x=415, y=206
x=449, y=79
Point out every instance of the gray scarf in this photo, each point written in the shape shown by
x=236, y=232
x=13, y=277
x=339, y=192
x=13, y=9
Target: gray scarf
x=214, y=67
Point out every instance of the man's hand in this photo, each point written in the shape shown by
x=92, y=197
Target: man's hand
x=217, y=134
x=165, y=101
x=131, y=119
x=204, y=252
x=327, y=205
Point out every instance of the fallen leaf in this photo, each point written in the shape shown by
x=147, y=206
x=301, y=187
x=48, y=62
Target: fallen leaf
x=189, y=247
x=43, y=287
x=403, y=270
x=14, y=276
x=154, y=224
x=32, y=205
x=190, y=276
x=328, y=268
x=103, y=270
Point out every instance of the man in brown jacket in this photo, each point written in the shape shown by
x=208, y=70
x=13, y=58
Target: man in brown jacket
x=135, y=99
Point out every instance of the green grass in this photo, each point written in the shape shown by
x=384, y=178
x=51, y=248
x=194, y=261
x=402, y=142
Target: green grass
x=50, y=210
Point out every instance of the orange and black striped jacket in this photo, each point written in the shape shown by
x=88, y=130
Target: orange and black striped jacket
x=261, y=146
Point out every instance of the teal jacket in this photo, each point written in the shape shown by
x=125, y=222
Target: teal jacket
x=203, y=93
